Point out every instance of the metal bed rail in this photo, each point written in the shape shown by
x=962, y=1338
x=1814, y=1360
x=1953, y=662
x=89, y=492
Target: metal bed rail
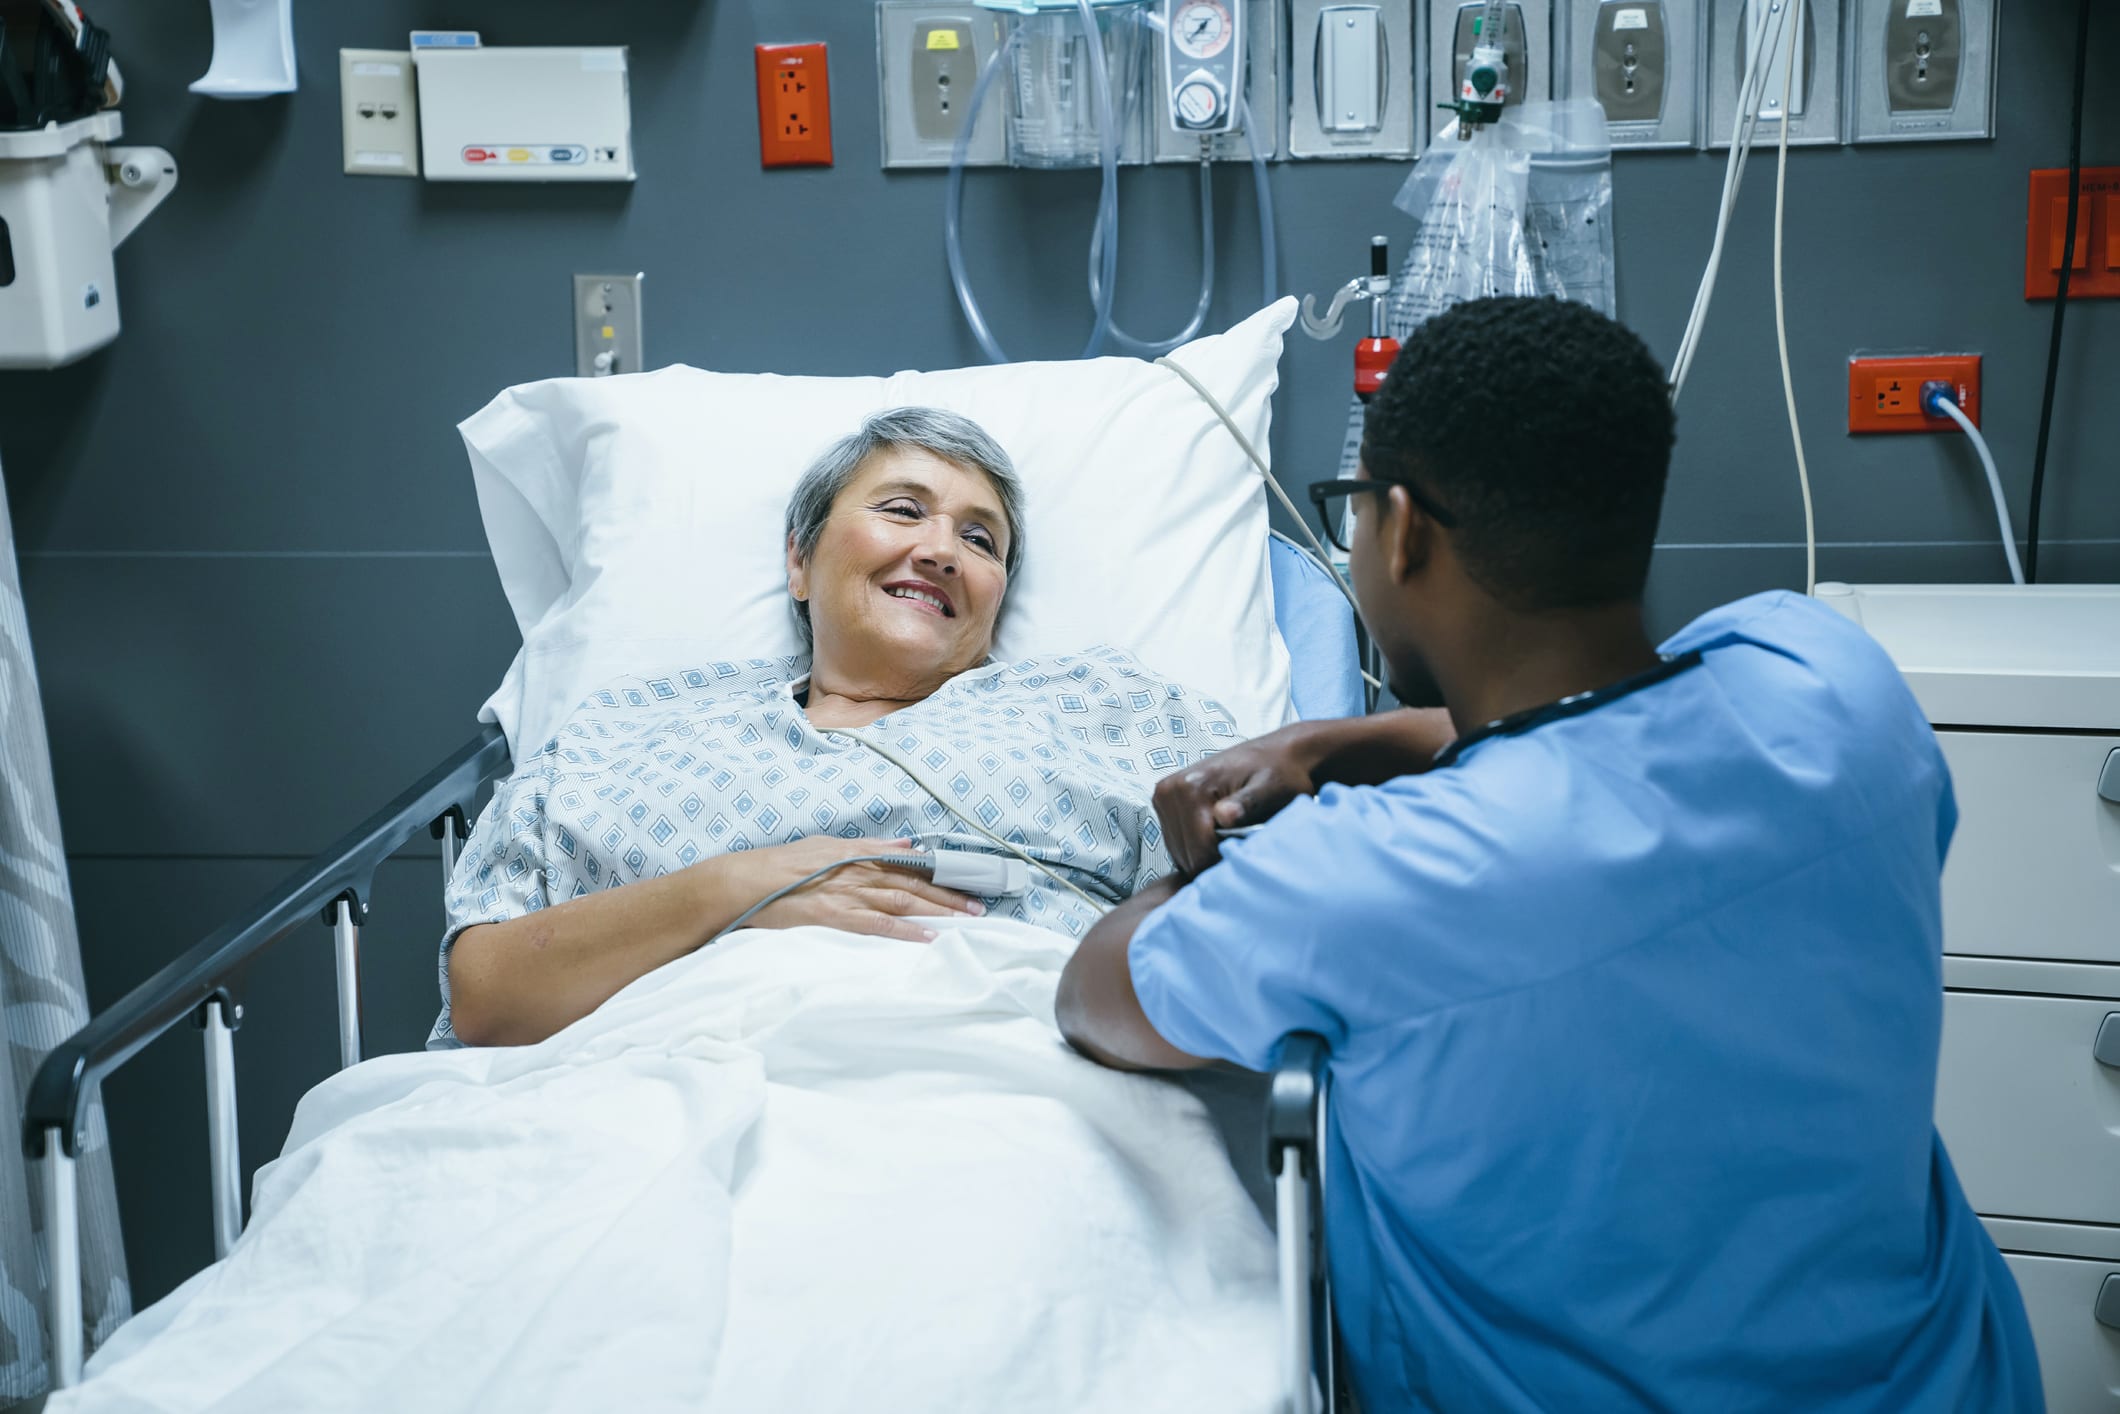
x=201, y=985
x=336, y=885
x=1311, y=1369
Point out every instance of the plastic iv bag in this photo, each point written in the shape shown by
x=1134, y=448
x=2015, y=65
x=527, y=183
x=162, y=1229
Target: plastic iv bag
x=1523, y=207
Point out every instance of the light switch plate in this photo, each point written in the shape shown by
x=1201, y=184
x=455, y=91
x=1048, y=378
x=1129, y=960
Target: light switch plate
x=379, y=113
x=1527, y=44
x=1921, y=70
x=1640, y=59
x=1398, y=129
x=1817, y=120
x=607, y=325
x=928, y=59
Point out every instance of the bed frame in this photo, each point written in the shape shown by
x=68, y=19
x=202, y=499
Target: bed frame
x=337, y=886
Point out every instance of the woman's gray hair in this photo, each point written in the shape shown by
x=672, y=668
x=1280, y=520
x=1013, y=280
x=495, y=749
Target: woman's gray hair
x=948, y=435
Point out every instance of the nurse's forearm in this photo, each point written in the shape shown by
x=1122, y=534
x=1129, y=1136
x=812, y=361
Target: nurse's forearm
x=1096, y=1007
x=1368, y=751
x=515, y=983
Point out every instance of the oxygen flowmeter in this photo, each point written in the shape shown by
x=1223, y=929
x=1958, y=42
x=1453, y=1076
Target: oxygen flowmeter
x=1205, y=48
x=1484, y=87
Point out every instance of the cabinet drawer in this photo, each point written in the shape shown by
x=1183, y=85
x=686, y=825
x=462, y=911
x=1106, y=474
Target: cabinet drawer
x=2030, y=1115
x=2079, y=1358
x=2035, y=868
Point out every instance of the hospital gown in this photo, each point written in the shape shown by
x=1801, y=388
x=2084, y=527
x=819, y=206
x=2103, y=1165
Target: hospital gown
x=1056, y=755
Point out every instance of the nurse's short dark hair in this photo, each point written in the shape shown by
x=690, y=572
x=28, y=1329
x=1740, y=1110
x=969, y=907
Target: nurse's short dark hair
x=1545, y=428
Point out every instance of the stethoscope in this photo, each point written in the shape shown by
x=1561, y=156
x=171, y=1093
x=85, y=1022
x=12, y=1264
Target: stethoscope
x=1574, y=705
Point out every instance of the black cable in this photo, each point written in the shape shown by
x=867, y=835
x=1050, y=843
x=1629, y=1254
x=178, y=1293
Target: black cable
x=2068, y=258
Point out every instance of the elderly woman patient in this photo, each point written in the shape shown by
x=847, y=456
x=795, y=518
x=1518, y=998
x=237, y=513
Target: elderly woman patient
x=712, y=786
x=840, y=1160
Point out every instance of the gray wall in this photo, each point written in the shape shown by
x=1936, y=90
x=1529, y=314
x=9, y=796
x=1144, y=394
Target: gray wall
x=253, y=561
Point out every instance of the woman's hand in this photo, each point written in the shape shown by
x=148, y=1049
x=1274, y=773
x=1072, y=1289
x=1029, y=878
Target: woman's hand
x=878, y=899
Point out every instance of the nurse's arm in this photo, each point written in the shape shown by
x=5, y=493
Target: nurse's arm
x=1097, y=1009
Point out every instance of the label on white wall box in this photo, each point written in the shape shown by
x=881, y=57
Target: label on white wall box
x=1918, y=8
x=1639, y=19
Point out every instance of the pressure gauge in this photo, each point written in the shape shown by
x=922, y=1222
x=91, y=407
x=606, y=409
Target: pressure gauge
x=1203, y=64
x=1201, y=29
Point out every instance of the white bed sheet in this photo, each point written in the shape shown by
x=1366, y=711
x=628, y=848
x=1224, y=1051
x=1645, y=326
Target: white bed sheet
x=798, y=1170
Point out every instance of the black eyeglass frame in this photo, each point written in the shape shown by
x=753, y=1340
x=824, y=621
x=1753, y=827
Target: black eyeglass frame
x=1324, y=493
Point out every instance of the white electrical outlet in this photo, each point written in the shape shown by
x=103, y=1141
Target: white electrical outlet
x=379, y=113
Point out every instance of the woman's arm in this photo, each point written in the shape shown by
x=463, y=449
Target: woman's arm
x=517, y=982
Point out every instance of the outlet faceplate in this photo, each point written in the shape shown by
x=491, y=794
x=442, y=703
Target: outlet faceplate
x=1815, y=118
x=1362, y=46
x=1921, y=70
x=794, y=106
x=928, y=58
x=1884, y=391
x=2095, y=271
x=607, y=325
x=379, y=118
x=1640, y=59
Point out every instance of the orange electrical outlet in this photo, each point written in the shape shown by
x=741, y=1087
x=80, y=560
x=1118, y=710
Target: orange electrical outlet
x=794, y=106
x=2095, y=271
x=1884, y=392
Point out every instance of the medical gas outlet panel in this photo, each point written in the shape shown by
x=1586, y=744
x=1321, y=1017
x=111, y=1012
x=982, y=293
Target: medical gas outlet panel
x=1324, y=79
x=1194, y=75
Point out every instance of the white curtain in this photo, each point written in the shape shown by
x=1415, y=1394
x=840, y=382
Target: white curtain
x=43, y=1001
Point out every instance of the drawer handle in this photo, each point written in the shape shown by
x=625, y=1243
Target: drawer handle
x=2109, y=778
x=2108, y=1308
x=2107, y=1047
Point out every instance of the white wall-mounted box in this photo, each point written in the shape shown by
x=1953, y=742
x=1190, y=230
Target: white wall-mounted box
x=525, y=114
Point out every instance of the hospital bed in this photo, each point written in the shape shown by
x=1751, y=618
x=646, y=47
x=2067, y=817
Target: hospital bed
x=338, y=885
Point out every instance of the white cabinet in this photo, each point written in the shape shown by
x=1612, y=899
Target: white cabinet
x=2030, y=1115
x=2023, y=688
x=2035, y=867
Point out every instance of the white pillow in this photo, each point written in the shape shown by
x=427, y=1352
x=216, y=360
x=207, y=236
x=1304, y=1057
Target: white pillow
x=638, y=521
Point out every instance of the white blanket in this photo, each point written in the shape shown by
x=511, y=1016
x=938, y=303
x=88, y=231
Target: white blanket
x=800, y=1170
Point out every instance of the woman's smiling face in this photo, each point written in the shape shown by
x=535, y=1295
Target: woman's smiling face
x=909, y=572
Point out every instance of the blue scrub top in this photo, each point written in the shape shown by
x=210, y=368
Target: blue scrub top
x=1633, y=1020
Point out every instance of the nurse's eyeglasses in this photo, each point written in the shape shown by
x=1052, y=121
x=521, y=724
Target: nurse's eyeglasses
x=1327, y=495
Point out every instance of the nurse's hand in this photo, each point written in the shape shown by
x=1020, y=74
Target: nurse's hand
x=1245, y=785
x=1248, y=784
x=877, y=899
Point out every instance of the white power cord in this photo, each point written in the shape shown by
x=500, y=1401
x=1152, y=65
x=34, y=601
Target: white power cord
x=1943, y=402
x=1781, y=318
x=1751, y=97
x=1101, y=905
x=1317, y=547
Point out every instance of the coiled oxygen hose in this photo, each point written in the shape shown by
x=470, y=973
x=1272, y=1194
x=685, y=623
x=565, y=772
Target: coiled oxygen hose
x=1103, y=247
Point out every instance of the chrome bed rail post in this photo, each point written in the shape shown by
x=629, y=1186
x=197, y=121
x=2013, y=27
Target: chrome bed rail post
x=449, y=846
x=346, y=944
x=1292, y=1204
x=217, y=1023
x=1295, y=1157
x=62, y=1240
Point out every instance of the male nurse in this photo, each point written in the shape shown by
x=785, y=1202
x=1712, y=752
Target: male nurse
x=1627, y=959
